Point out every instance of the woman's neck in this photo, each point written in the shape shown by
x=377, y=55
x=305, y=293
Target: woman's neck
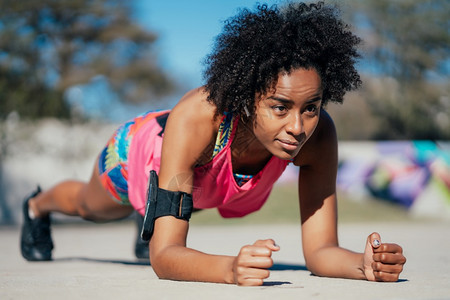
x=249, y=156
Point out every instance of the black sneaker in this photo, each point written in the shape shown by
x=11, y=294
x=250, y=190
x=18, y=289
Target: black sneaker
x=141, y=248
x=36, y=241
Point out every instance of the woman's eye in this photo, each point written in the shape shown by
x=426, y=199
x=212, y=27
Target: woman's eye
x=311, y=109
x=279, y=108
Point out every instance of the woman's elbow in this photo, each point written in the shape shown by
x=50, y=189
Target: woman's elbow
x=158, y=265
x=316, y=266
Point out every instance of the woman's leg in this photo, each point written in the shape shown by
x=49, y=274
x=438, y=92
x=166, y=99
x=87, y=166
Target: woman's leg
x=75, y=198
x=87, y=200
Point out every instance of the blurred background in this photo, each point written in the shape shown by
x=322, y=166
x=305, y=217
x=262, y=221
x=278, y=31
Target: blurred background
x=72, y=70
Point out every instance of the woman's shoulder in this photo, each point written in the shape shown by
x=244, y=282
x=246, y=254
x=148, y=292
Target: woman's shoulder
x=323, y=142
x=194, y=108
x=192, y=125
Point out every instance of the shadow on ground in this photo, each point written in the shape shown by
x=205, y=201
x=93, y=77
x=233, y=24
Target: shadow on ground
x=139, y=262
x=287, y=267
x=146, y=262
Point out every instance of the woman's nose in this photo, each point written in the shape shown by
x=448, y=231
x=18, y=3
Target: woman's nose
x=295, y=125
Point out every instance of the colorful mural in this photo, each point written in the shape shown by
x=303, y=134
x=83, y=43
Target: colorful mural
x=401, y=172
x=412, y=174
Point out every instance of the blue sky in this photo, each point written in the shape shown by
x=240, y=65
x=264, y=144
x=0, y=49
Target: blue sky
x=186, y=30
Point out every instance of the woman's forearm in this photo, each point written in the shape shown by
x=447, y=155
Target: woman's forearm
x=181, y=263
x=336, y=262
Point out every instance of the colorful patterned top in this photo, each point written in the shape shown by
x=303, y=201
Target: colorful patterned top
x=223, y=136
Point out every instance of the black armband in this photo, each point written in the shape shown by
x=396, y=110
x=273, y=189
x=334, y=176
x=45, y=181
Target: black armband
x=161, y=202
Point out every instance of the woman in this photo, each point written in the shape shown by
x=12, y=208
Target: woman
x=225, y=144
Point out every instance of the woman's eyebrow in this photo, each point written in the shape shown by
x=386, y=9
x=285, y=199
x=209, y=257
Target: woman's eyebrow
x=288, y=101
x=283, y=100
x=315, y=99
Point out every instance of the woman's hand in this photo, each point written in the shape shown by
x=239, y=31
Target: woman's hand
x=382, y=261
x=250, y=266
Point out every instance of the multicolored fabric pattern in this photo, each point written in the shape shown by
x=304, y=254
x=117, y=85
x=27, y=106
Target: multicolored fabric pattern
x=241, y=179
x=113, y=165
x=113, y=160
x=223, y=136
x=225, y=130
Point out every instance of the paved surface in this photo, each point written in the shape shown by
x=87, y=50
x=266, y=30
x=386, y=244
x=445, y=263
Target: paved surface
x=97, y=262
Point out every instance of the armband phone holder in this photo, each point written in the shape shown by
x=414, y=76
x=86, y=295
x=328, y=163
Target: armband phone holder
x=161, y=202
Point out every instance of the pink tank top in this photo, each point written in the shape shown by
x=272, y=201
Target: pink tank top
x=214, y=183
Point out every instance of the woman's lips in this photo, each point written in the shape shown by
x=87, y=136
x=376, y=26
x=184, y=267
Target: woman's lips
x=289, y=145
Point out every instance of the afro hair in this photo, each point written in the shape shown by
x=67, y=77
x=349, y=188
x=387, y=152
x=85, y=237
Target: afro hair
x=256, y=46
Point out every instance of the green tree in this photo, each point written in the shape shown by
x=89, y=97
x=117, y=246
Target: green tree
x=407, y=48
x=47, y=46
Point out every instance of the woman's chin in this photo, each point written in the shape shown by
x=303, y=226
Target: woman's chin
x=286, y=155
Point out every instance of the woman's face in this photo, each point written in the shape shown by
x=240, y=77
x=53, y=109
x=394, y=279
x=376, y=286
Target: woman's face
x=287, y=116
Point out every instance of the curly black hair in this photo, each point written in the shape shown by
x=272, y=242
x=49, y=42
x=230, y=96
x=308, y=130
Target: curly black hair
x=255, y=47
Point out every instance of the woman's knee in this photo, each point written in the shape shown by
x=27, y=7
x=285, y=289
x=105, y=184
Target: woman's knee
x=90, y=206
x=102, y=213
x=88, y=214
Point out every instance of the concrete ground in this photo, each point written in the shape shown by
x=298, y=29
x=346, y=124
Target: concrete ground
x=97, y=262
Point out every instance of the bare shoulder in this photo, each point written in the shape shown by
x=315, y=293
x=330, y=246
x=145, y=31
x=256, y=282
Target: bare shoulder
x=322, y=146
x=191, y=128
x=194, y=109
